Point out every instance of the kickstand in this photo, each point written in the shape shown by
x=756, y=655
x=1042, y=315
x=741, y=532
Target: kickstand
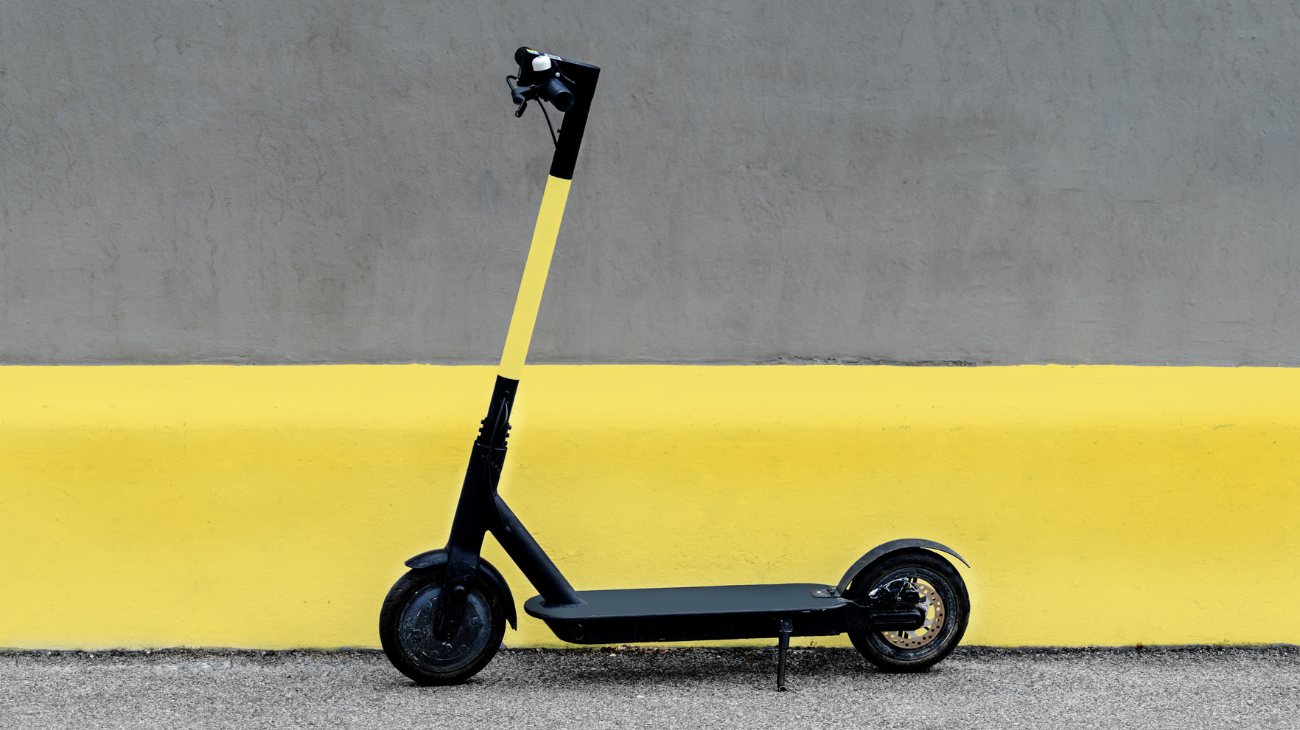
x=782, y=648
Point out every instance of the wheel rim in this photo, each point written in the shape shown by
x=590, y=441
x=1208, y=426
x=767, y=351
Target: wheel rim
x=415, y=632
x=935, y=614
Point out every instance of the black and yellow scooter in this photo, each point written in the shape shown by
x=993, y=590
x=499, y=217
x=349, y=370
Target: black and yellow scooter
x=903, y=606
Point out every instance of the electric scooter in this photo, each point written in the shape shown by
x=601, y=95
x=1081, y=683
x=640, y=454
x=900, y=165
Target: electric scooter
x=903, y=606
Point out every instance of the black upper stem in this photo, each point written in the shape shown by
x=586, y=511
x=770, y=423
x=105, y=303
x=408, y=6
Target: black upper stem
x=584, y=78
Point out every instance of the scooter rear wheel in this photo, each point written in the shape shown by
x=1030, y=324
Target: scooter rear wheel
x=406, y=629
x=947, y=608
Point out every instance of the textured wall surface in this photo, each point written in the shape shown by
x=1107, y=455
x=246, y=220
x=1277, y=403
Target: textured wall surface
x=328, y=181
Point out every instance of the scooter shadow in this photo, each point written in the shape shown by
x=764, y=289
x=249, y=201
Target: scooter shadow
x=590, y=669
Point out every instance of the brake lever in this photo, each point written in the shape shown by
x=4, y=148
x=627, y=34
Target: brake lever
x=517, y=95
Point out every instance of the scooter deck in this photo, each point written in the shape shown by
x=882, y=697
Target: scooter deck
x=695, y=613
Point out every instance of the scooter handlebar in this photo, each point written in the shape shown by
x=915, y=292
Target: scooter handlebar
x=554, y=91
x=568, y=86
x=543, y=77
x=524, y=55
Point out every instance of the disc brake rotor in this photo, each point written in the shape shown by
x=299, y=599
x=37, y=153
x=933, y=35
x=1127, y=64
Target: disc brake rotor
x=932, y=603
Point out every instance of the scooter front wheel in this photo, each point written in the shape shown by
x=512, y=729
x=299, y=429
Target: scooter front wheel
x=406, y=629
x=946, y=604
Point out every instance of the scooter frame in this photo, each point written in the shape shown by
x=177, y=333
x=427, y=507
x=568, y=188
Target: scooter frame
x=670, y=614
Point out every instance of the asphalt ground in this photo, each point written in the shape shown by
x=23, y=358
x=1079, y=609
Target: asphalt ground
x=1183, y=687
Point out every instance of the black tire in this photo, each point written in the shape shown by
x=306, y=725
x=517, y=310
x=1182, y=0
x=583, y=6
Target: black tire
x=947, y=612
x=406, y=629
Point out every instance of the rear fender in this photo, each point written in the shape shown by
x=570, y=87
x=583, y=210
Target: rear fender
x=893, y=546
x=487, y=570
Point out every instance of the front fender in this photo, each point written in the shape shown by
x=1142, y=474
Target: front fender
x=884, y=549
x=430, y=558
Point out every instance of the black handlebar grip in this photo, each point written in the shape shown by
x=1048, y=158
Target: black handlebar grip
x=554, y=91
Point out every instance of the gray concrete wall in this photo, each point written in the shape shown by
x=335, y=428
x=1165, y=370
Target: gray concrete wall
x=332, y=181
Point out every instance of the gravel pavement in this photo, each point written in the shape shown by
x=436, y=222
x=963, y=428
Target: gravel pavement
x=1184, y=687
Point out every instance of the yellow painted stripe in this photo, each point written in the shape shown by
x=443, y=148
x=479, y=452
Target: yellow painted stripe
x=272, y=507
x=534, y=281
